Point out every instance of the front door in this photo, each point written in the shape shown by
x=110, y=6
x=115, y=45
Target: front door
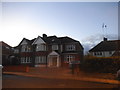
x=54, y=61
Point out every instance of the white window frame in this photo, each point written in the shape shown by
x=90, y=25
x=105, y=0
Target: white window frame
x=28, y=49
x=22, y=59
x=70, y=47
x=41, y=47
x=110, y=52
x=54, y=47
x=40, y=59
x=23, y=48
x=69, y=58
x=95, y=53
x=25, y=60
x=16, y=50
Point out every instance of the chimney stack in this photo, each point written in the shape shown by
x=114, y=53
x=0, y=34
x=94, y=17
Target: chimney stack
x=105, y=39
x=44, y=36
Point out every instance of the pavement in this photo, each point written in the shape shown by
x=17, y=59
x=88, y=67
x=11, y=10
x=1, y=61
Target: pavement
x=65, y=73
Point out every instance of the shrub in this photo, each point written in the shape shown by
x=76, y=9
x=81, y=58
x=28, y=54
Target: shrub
x=101, y=64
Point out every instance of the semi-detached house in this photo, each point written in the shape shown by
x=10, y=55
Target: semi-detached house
x=50, y=51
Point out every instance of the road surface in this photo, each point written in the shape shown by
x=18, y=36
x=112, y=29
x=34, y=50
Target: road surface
x=14, y=81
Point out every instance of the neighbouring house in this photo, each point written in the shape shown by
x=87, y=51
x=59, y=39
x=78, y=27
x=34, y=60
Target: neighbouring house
x=49, y=51
x=7, y=52
x=106, y=48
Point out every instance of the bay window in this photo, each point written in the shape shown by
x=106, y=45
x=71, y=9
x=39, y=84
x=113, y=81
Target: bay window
x=40, y=59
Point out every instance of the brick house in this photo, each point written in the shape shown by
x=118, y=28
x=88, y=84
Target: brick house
x=50, y=51
x=6, y=51
x=106, y=48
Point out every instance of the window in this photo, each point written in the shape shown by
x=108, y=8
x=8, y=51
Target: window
x=16, y=51
x=98, y=53
x=70, y=47
x=54, y=47
x=40, y=59
x=69, y=58
x=95, y=54
x=22, y=59
x=28, y=49
x=23, y=49
x=110, y=52
x=41, y=47
x=7, y=47
x=25, y=60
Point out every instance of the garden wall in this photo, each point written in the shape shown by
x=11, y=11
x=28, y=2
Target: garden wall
x=19, y=68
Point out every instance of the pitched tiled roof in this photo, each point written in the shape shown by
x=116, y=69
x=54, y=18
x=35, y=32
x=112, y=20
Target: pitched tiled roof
x=27, y=40
x=53, y=40
x=106, y=46
x=4, y=44
x=66, y=40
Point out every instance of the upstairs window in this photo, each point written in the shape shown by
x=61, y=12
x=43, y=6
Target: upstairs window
x=70, y=47
x=16, y=51
x=28, y=49
x=25, y=48
x=54, y=47
x=41, y=47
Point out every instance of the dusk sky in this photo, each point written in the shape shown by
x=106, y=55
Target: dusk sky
x=81, y=21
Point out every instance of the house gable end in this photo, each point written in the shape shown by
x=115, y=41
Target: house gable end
x=38, y=40
x=24, y=42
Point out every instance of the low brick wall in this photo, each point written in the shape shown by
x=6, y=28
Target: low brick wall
x=20, y=68
x=66, y=65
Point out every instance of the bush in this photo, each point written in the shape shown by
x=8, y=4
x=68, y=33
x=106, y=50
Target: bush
x=101, y=64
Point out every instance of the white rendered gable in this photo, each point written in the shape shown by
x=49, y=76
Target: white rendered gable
x=38, y=40
x=24, y=42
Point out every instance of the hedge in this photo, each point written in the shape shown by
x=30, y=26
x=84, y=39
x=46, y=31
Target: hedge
x=101, y=64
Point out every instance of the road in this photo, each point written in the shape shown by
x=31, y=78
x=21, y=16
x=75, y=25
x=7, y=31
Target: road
x=14, y=81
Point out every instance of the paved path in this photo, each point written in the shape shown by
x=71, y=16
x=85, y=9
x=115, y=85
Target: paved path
x=65, y=73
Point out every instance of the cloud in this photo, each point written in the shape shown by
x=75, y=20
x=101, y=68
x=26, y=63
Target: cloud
x=91, y=41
